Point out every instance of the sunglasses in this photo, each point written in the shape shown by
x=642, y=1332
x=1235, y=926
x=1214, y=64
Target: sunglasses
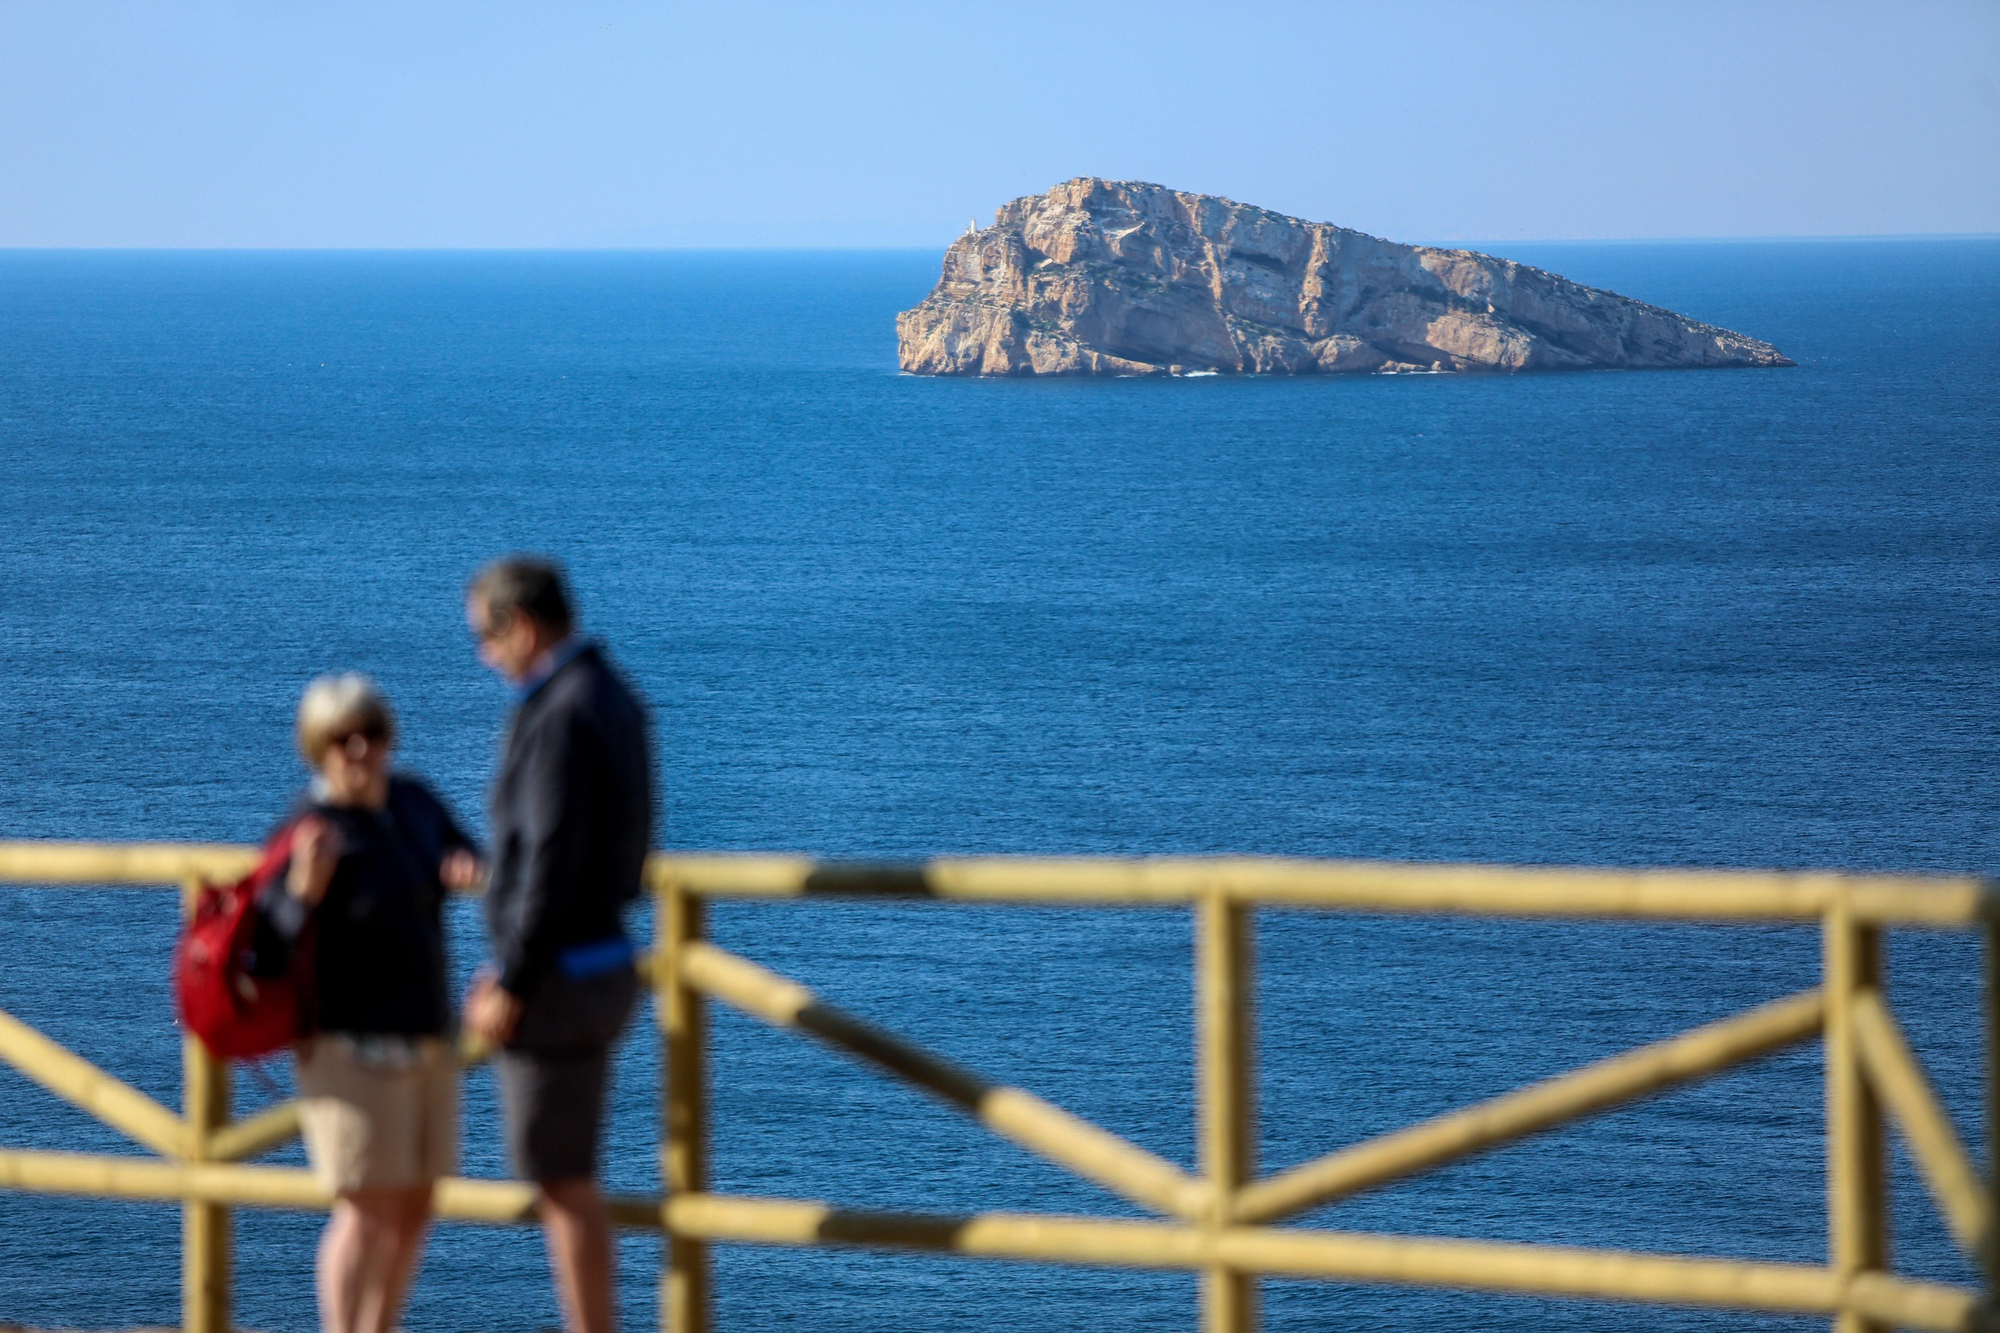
x=355, y=743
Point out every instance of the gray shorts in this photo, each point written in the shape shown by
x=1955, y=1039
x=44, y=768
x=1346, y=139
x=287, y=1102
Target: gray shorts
x=554, y=1073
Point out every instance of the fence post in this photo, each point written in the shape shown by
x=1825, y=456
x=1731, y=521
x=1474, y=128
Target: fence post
x=684, y=1145
x=1225, y=1024
x=1989, y=1249
x=205, y=1227
x=1856, y=1177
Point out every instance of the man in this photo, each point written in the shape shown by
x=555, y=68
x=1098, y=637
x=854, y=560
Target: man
x=572, y=821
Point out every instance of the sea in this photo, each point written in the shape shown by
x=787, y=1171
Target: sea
x=1743, y=618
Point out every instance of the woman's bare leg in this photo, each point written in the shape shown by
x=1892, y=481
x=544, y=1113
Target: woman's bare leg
x=413, y=1221
x=363, y=1267
x=339, y=1267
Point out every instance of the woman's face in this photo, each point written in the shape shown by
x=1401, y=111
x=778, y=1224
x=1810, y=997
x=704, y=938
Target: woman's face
x=355, y=769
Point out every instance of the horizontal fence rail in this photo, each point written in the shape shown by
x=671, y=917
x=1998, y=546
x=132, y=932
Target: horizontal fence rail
x=1216, y=1222
x=1378, y=886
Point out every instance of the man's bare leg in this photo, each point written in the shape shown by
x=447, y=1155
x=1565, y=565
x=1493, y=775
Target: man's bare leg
x=578, y=1231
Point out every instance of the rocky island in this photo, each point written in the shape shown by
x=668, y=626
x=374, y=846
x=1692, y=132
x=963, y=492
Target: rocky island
x=1101, y=277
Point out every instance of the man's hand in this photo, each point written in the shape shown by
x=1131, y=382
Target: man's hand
x=315, y=853
x=491, y=1013
x=459, y=870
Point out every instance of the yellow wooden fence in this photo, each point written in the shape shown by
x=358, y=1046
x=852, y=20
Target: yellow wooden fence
x=1218, y=1222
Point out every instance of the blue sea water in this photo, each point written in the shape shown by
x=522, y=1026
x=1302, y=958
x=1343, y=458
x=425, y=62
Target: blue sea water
x=1728, y=618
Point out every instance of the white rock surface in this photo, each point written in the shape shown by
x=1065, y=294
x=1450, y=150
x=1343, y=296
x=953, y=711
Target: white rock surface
x=1102, y=277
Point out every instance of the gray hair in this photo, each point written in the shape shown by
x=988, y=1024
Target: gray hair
x=339, y=705
x=524, y=585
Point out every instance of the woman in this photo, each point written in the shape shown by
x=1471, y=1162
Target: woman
x=360, y=909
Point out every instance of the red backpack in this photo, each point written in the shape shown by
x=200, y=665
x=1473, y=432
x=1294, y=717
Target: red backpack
x=238, y=1016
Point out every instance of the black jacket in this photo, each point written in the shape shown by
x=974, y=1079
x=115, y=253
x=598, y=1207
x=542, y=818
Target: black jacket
x=377, y=939
x=572, y=819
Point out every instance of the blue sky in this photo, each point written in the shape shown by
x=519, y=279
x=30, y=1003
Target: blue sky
x=594, y=123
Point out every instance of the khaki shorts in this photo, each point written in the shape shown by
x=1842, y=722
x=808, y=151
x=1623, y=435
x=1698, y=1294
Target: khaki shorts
x=379, y=1112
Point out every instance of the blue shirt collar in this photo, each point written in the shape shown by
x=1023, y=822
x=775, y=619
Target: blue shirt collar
x=552, y=661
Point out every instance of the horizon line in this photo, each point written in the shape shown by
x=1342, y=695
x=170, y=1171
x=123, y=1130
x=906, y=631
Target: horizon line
x=937, y=249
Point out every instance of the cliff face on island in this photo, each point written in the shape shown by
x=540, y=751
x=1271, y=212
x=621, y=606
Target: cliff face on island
x=1102, y=277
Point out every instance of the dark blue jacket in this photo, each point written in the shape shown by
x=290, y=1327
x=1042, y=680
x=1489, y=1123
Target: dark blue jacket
x=377, y=944
x=572, y=819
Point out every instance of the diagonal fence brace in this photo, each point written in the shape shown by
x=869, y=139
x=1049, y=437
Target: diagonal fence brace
x=1637, y=1073
x=85, y=1086
x=1016, y=1115
x=259, y=1133
x=1893, y=1070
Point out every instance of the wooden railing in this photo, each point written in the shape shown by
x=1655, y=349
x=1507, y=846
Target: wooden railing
x=1217, y=1222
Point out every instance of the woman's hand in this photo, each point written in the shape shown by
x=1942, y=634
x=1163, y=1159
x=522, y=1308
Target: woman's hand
x=459, y=871
x=315, y=852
